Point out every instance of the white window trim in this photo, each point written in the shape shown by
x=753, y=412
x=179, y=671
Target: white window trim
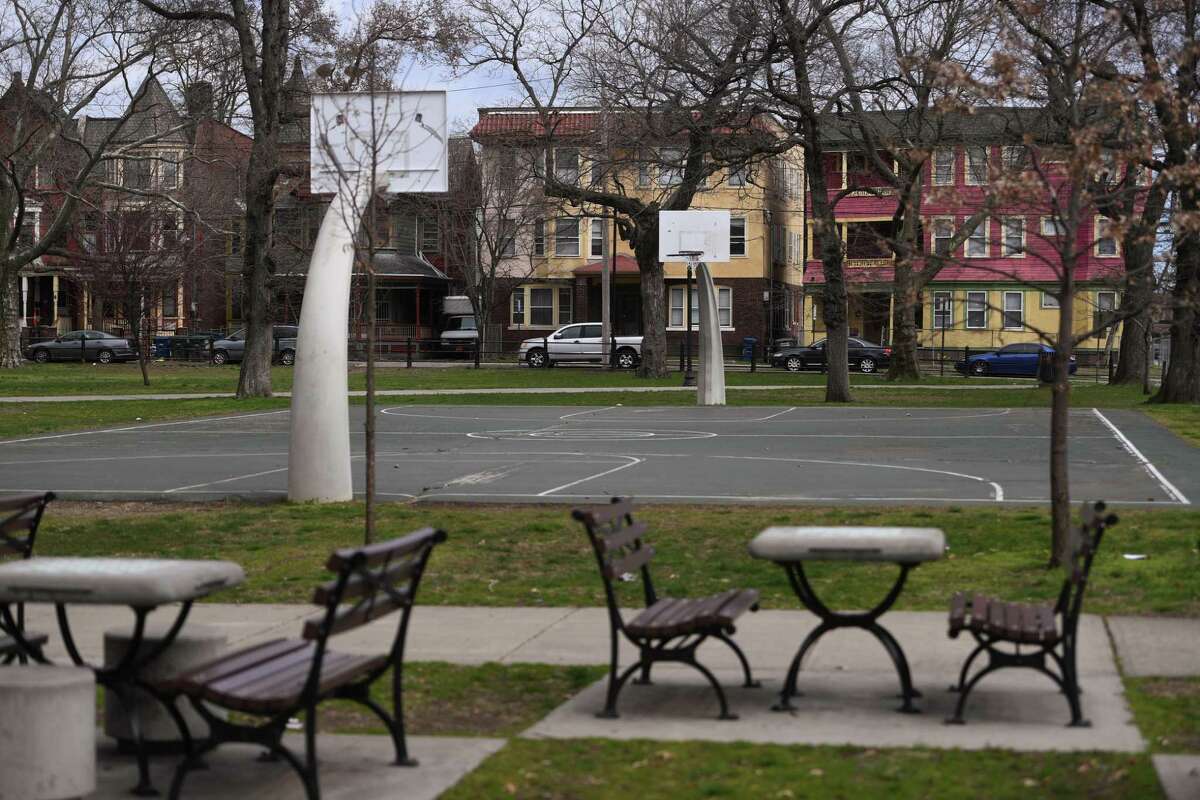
x=968, y=311
x=1096, y=239
x=682, y=287
x=933, y=166
x=1004, y=310
x=578, y=165
x=663, y=169
x=1049, y=301
x=745, y=236
x=742, y=172
x=594, y=224
x=538, y=249
x=933, y=237
x=578, y=239
x=525, y=292
x=987, y=164
x=949, y=310
x=1004, y=237
x=986, y=225
x=1054, y=223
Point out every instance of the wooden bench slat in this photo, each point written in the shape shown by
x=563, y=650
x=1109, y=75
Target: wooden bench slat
x=357, y=615
x=601, y=515
x=958, y=612
x=1047, y=624
x=24, y=521
x=357, y=586
x=979, y=612
x=230, y=664
x=741, y=602
x=263, y=670
x=19, y=501
x=623, y=537
x=631, y=562
x=282, y=691
x=380, y=552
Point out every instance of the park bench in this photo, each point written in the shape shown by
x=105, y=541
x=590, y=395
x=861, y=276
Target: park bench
x=1045, y=631
x=274, y=681
x=18, y=530
x=668, y=629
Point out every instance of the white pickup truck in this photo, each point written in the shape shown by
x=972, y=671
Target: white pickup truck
x=579, y=342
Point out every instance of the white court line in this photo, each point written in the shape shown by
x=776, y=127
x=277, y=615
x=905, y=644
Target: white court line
x=225, y=480
x=589, y=411
x=633, y=461
x=143, y=427
x=773, y=416
x=1131, y=448
x=996, y=488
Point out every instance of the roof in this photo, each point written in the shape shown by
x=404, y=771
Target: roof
x=153, y=115
x=1036, y=272
x=394, y=265
x=904, y=125
x=626, y=265
x=528, y=122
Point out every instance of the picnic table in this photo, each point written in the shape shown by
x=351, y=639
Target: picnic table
x=143, y=584
x=790, y=547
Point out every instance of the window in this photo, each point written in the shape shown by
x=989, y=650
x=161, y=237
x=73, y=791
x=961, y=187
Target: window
x=943, y=167
x=137, y=173
x=976, y=309
x=566, y=165
x=1013, y=229
x=644, y=171
x=737, y=236
x=943, y=232
x=506, y=237
x=977, y=165
x=943, y=310
x=430, y=235
x=1053, y=227
x=566, y=237
x=977, y=242
x=1049, y=300
x=170, y=171
x=1015, y=157
x=597, y=170
x=539, y=237
x=565, y=299
x=670, y=168
x=1014, y=310
x=518, y=307
x=1106, y=306
x=737, y=176
x=169, y=232
x=677, y=319
x=235, y=237
x=597, y=237
x=170, y=303
x=1106, y=242
x=541, y=307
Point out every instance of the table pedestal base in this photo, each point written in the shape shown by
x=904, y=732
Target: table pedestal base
x=833, y=620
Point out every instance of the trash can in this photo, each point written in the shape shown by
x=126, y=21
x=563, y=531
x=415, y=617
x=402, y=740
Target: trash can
x=748, y=345
x=1045, y=367
x=162, y=346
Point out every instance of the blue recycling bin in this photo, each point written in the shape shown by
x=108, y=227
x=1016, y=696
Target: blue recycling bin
x=162, y=346
x=748, y=345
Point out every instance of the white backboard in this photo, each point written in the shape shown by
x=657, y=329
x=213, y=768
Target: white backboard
x=706, y=231
x=405, y=130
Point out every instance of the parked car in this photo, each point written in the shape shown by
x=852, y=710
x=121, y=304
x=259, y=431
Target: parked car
x=231, y=350
x=579, y=342
x=1014, y=359
x=460, y=334
x=95, y=345
x=864, y=356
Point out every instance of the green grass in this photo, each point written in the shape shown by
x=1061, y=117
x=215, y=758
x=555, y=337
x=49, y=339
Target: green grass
x=1167, y=710
x=442, y=699
x=29, y=419
x=536, y=556
x=1183, y=420
x=172, y=378
x=581, y=769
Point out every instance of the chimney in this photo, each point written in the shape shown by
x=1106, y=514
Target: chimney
x=198, y=100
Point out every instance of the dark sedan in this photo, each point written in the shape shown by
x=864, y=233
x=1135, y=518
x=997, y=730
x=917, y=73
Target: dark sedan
x=1013, y=359
x=88, y=345
x=864, y=356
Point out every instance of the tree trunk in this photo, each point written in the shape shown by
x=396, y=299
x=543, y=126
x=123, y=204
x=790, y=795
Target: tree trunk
x=10, y=320
x=1181, y=383
x=654, y=321
x=1060, y=407
x=254, y=379
x=1134, y=352
x=1138, y=290
x=904, y=366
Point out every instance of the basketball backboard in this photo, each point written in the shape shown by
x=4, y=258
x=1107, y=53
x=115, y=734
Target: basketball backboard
x=405, y=130
x=691, y=231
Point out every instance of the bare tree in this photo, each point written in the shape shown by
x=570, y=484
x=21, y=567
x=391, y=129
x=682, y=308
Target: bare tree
x=64, y=56
x=666, y=96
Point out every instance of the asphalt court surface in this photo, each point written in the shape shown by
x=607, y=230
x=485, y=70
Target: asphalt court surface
x=571, y=454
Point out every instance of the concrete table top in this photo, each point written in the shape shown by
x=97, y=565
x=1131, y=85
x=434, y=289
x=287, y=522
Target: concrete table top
x=849, y=543
x=114, y=581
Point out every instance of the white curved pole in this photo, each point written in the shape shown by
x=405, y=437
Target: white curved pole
x=710, y=387
x=319, y=451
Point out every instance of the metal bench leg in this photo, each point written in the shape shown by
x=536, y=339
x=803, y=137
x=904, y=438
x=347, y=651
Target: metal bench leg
x=789, y=683
x=750, y=682
x=907, y=692
x=194, y=761
x=644, y=678
x=966, y=668
x=1069, y=684
x=957, y=719
x=716, y=685
x=614, y=689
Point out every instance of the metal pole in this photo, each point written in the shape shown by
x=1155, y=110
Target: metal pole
x=408, y=352
x=608, y=266
x=942, y=355
x=689, y=377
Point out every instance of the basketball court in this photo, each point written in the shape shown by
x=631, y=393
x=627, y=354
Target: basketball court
x=664, y=454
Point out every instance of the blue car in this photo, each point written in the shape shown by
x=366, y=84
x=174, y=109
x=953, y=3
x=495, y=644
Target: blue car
x=1014, y=359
